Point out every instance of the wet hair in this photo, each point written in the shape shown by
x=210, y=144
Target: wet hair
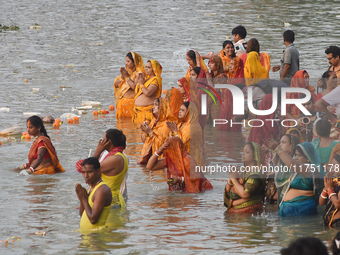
x=289, y=36
x=197, y=70
x=92, y=161
x=36, y=121
x=337, y=158
x=304, y=95
x=225, y=43
x=253, y=45
x=239, y=30
x=186, y=104
x=129, y=55
x=323, y=128
x=335, y=50
x=305, y=246
x=192, y=55
x=117, y=137
x=325, y=76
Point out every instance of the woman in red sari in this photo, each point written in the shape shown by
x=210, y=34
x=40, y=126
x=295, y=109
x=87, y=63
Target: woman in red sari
x=189, y=92
x=195, y=60
x=181, y=167
x=175, y=99
x=268, y=131
x=42, y=158
x=300, y=80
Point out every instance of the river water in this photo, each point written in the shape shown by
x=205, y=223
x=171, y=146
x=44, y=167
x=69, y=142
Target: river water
x=82, y=45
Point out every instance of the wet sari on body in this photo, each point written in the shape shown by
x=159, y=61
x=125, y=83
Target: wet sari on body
x=254, y=185
x=125, y=105
x=301, y=205
x=45, y=168
x=238, y=75
x=177, y=161
x=190, y=132
x=144, y=113
x=160, y=131
x=253, y=70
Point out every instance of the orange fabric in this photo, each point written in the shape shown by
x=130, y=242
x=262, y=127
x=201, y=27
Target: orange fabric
x=298, y=131
x=125, y=108
x=142, y=113
x=54, y=158
x=298, y=81
x=336, y=150
x=191, y=91
x=176, y=100
x=238, y=74
x=202, y=65
x=264, y=60
x=178, y=164
x=190, y=132
x=160, y=131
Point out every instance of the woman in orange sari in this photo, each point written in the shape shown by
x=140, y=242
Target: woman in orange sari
x=189, y=130
x=189, y=92
x=154, y=135
x=253, y=70
x=254, y=45
x=42, y=158
x=124, y=85
x=181, y=167
x=195, y=60
x=175, y=98
x=300, y=80
x=147, y=91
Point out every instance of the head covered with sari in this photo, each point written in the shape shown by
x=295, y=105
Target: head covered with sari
x=267, y=131
x=298, y=81
x=165, y=112
x=295, y=130
x=253, y=70
x=258, y=153
x=138, y=62
x=178, y=163
x=335, y=150
x=175, y=99
x=219, y=64
x=156, y=68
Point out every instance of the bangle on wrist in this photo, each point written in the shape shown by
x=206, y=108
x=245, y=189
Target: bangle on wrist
x=30, y=170
x=230, y=183
x=323, y=197
x=278, y=150
x=333, y=194
x=157, y=154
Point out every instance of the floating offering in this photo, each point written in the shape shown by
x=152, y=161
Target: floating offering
x=70, y=121
x=95, y=112
x=40, y=233
x=286, y=24
x=15, y=130
x=210, y=14
x=68, y=115
x=35, y=89
x=111, y=108
x=31, y=113
x=91, y=103
x=4, y=109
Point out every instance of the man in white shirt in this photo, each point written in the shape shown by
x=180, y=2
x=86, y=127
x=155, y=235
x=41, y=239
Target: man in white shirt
x=333, y=99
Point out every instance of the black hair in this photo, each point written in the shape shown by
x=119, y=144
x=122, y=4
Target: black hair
x=225, y=43
x=304, y=95
x=197, y=70
x=337, y=158
x=117, y=137
x=305, y=246
x=192, y=55
x=92, y=161
x=289, y=36
x=239, y=30
x=299, y=149
x=186, y=104
x=36, y=121
x=335, y=50
x=325, y=76
x=129, y=55
x=293, y=140
x=253, y=45
x=251, y=146
x=323, y=128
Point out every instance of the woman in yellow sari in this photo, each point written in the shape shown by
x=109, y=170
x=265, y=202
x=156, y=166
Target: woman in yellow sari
x=154, y=135
x=42, y=158
x=253, y=70
x=147, y=91
x=189, y=130
x=124, y=85
x=195, y=60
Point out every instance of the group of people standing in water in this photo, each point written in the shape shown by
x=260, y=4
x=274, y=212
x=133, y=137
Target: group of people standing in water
x=172, y=131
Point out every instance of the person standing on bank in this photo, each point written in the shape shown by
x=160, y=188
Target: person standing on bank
x=290, y=62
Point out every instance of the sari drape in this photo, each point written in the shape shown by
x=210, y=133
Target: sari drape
x=238, y=75
x=298, y=81
x=202, y=65
x=264, y=60
x=178, y=164
x=175, y=99
x=160, y=131
x=190, y=132
x=49, y=168
x=296, y=130
x=190, y=91
x=125, y=107
x=253, y=70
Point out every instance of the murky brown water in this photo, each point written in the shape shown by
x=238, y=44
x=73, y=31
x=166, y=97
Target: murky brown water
x=82, y=45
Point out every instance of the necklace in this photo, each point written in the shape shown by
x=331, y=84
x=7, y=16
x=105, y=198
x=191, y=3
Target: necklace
x=95, y=186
